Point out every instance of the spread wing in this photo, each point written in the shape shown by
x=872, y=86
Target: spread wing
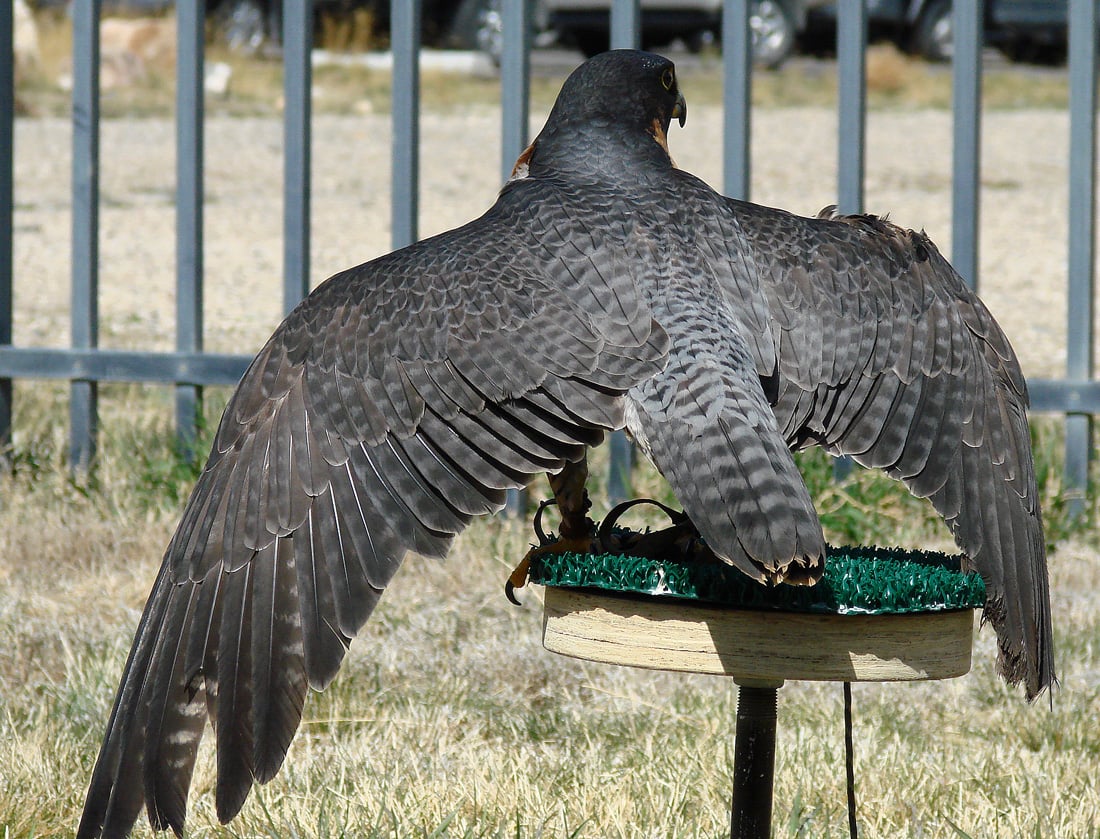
x=401, y=399
x=884, y=354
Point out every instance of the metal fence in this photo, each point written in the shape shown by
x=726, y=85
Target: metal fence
x=189, y=368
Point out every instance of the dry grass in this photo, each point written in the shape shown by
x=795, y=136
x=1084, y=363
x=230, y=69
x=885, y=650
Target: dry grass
x=450, y=720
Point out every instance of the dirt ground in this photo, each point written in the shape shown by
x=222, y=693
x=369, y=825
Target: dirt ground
x=1023, y=211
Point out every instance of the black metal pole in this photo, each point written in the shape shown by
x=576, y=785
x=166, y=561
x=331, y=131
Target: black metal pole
x=850, y=762
x=753, y=763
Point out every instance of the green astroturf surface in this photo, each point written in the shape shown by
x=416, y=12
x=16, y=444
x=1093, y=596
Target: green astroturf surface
x=857, y=580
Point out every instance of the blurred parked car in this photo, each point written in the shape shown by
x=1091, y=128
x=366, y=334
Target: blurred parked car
x=1031, y=30
x=464, y=24
x=249, y=25
x=775, y=24
x=1027, y=30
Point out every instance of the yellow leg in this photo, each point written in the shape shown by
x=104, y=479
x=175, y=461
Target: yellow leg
x=577, y=529
x=573, y=502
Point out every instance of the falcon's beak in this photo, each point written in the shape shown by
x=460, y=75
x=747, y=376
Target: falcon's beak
x=680, y=109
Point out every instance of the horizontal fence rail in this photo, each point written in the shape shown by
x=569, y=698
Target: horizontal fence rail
x=190, y=368
x=102, y=365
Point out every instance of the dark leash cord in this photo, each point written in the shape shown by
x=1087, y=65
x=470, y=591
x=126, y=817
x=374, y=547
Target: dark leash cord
x=850, y=760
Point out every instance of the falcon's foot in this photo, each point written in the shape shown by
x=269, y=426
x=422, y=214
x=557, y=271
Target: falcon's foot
x=564, y=545
x=680, y=540
x=578, y=532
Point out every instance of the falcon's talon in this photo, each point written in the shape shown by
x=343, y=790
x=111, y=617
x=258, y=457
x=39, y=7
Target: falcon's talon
x=520, y=574
x=544, y=539
x=518, y=577
x=509, y=592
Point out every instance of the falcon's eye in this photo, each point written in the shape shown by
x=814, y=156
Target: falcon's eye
x=668, y=79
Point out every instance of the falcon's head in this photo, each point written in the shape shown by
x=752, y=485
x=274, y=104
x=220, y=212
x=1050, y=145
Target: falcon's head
x=622, y=86
x=628, y=95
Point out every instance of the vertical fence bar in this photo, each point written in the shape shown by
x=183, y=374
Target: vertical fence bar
x=189, y=210
x=1082, y=237
x=7, y=204
x=966, y=65
x=736, y=99
x=851, y=50
x=83, y=420
x=405, y=41
x=515, y=78
x=626, y=34
x=297, y=92
x=515, y=108
x=620, y=465
x=626, y=24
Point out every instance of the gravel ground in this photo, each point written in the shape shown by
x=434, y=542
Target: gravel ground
x=1024, y=201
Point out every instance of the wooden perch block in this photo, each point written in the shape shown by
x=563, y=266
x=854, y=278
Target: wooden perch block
x=756, y=646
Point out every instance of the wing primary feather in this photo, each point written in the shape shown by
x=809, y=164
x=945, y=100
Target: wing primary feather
x=202, y=641
x=234, y=726
x=467, y=495
x=278, y=662
x=323, y=644
x=353, y=596
x=393, y=491
x=430, y=506
x=176, y=716
x=115, y=794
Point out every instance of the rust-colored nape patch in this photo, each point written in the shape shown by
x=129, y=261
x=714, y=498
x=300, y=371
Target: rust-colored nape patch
x=661, y=138
x=520, y=170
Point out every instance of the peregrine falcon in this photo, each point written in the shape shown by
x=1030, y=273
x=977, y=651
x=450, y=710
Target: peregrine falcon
x=604, y=289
